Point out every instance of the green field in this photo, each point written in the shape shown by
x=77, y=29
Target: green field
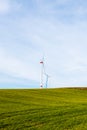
x=43, y=109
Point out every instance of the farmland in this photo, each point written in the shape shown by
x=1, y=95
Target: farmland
x=43, y=109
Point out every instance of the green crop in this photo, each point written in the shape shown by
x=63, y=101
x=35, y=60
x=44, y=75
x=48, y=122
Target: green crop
x=43, y=109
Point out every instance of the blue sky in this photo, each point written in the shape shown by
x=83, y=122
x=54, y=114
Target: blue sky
x=31, y=28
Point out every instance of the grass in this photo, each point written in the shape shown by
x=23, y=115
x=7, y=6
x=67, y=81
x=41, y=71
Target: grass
x=43, y=109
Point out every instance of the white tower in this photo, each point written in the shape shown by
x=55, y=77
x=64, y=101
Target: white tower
x=42, y=73
x=47, y=77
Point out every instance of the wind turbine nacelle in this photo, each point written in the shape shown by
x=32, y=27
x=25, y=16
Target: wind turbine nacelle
x=41, y=62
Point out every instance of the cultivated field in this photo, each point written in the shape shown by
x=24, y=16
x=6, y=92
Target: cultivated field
x=43, y=109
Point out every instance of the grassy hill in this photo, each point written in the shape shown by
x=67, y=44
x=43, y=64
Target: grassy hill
x=43, y=109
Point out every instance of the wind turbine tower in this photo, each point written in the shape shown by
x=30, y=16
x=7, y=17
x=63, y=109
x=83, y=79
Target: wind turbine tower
x=47, y=77
x=42, y=73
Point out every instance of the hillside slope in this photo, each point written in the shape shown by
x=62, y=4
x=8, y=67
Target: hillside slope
x=43, y=109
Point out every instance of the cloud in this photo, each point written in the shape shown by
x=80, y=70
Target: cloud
x=4, y=6
x=7, y=6
x=68, y=10
x=14, y=67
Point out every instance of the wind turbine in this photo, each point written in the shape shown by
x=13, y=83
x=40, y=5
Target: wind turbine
x=47, y=77
x=42, y=73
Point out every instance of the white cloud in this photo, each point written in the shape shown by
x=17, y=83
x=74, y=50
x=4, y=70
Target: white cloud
x=4, y=6
x=64, y=9
x=15, y=67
